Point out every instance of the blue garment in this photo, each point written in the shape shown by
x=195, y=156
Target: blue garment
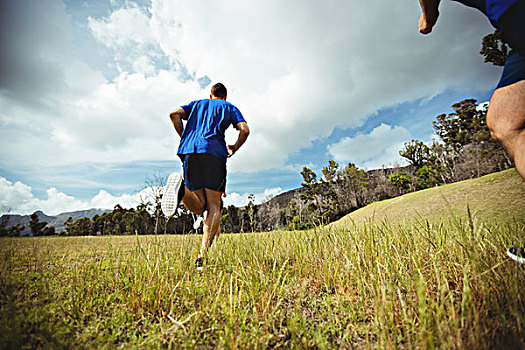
x=513, y=71
x=204, y=131
x=508, y=17
x=493, y=9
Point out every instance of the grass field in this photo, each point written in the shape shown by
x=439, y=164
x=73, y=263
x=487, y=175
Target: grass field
x=377, y=284
x=494, y=198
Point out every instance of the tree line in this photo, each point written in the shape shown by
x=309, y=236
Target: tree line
x=463, y=149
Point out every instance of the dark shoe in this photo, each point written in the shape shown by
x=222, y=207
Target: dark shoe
x=199, y=264
x=517, y=254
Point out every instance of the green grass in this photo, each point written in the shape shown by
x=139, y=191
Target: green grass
x=423, y=284
x=494, y=198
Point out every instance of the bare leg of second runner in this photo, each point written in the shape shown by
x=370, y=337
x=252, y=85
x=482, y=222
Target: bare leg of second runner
x=506, y=121
x=212, y=222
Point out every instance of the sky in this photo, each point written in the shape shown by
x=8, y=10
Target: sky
x=86, y=88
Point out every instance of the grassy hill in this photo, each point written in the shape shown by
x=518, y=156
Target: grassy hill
x=496, y=198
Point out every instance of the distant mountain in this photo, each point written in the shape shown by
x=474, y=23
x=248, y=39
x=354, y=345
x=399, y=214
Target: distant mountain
x=57, y=221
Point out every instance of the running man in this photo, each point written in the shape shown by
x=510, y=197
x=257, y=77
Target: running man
x=506, y=113
x=204, y=152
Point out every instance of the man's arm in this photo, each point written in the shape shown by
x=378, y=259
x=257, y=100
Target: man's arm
x=176, y=117
x=244, y=131
x=428, y=18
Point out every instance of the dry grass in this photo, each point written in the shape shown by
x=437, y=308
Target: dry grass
x=441, y=284
x=495, y=198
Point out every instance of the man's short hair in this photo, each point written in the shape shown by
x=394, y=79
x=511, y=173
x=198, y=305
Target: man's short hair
x=219, y=90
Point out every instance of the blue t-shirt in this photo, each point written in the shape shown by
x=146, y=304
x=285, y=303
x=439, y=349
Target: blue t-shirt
x=204, y=131
x=493, y=9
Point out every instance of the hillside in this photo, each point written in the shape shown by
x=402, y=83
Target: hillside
x=498, y=197
x=56, y=221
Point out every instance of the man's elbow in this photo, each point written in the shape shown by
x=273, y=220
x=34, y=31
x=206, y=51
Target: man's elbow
x=177, y=113
x=244, y=129
x=174, y=116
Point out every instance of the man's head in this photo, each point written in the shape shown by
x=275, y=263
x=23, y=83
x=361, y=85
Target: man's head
x=219, y=91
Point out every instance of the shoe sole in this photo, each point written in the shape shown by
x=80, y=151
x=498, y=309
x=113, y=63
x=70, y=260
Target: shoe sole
x=169, y=202
x=515, y=257
x=197, y=223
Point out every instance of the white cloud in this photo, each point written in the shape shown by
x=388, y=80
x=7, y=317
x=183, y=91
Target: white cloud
x=18, y=198
x=104, y=199
x=379, y=147
x=125, y=27
x=240, y=200
x=123, y=121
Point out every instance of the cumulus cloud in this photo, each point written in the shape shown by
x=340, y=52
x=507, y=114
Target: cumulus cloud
x=240, y=200
x=379, y=147
x=124, y=120
x=18, y=198
x=128, y=26
x=32, y=38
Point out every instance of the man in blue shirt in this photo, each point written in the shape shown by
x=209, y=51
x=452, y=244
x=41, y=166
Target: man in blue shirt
x=204, y=152
x=506, y=113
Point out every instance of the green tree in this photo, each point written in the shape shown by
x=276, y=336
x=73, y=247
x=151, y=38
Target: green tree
x=9, y=231
x=81, y=227
x=427, y=177
x=48, y=231
x=465, y=125
x=494, y=49
x=417, y=153
x=330, y=172
x=36, y=225
x=230, y=219
x=354, y=183
x=401, y=180
x=310, y=193
x=251, y=210
x=328, y=202
x=67, y=225
x=129, y=220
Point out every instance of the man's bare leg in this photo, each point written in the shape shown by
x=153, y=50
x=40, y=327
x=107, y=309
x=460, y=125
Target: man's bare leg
x=212, y=221
x=506, y=121
x=195, y=201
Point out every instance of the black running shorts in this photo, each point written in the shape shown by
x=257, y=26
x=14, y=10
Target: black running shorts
x=203, y=170
x=512, y=26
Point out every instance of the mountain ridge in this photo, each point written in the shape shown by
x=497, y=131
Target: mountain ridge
x=52, y=220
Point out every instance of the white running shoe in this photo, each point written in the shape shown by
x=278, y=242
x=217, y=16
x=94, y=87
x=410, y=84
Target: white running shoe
x=169, y=201
x=198, y=222
x=517, y=254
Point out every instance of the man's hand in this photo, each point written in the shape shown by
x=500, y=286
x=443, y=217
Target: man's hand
x=430, y=15
x=425, y=25
x=244, y=132
x=176, y=117
x=231, y=150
